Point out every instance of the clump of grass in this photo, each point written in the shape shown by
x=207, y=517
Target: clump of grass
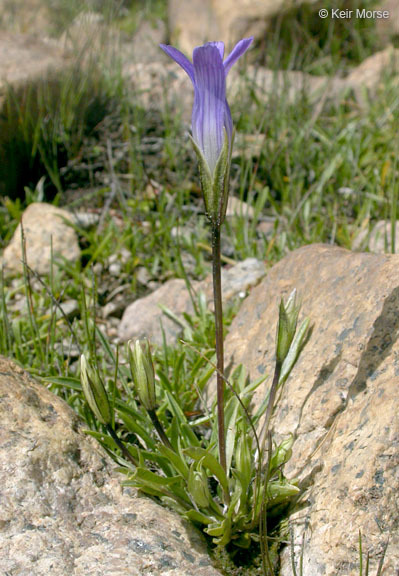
x=300, y=40
x=43, y=126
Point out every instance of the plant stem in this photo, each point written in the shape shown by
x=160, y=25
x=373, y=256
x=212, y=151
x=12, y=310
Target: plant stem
x=160, y=431
x=264, y=546
x=121, y=445
x=269, y=411
x=217, y=298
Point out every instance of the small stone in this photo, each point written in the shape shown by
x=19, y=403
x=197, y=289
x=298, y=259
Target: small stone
x=70, y=309
x=112, y=258
x=153, y=285
x=18, y=304
x=346, y=191
x=98, y=268
x=86, y=220
x=242, y=277
x=125, y=255
x=142, y=275
x=248, y=146
x=181, y=232
x=115, y=269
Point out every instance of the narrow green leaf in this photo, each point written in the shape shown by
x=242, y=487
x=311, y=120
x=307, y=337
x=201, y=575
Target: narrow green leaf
x=175, y=459
x=231, y=431
x=145, y=476
x=71, y=383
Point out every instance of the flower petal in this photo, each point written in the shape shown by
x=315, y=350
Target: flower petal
x=209, y=102
x=219, y=46
x=179, y=57
x=239, y=49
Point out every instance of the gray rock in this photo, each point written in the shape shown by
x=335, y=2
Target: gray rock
x=42, y=224
x=145, y=318
x=340, y=402
x=368, y=76
x=24, y=58
x=63, y=510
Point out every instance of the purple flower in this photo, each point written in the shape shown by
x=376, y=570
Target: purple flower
x=211, y=113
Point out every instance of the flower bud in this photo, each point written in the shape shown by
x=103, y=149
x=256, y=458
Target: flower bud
x=279, y=491
x=142, y=371
x=287, y=322
x=94, y=391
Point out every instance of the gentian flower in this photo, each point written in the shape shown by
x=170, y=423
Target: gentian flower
x=212, y=126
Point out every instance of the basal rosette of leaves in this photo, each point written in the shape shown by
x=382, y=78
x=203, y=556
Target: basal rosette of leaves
x=190, y=479
x=169, y=455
